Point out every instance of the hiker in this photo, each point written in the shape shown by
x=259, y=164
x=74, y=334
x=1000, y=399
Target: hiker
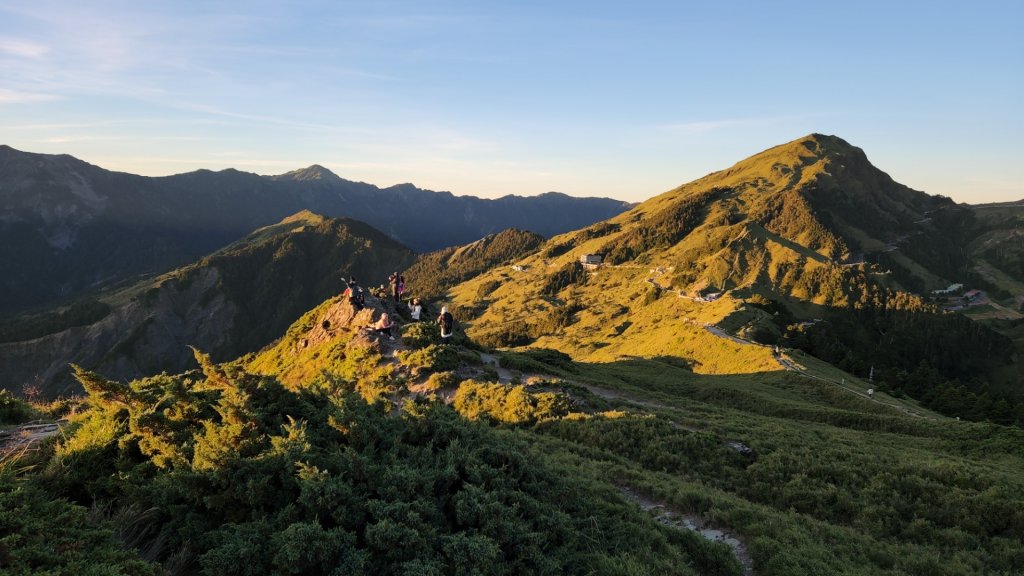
x=384, y=326
x=354, y=294
x=393, y=281
x=401, y=286
x=447, y=323
x=415, y=309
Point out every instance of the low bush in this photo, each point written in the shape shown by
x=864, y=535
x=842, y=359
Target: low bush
x=420, y=334
x=14, y=410
x=486, y=288
x=439, y=380
x=507, y=404
x=536, y=360
x=432, y=358
x=571, y=274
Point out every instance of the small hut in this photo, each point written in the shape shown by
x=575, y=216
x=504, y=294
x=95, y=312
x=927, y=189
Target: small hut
x=591, y=261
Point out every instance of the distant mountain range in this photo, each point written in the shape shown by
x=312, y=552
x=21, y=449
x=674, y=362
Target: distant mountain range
x=69, y=228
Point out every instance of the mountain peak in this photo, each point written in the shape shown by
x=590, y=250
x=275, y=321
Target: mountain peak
x=312, y=172
x=304, y=217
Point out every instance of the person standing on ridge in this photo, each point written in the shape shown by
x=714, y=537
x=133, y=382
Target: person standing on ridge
x=393, y=282
x=415, y=309
x=447, y=324
x=355, y=294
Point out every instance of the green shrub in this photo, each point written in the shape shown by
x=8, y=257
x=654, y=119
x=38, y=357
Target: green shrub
x=572, y=273
x=432, y=358
x=485, y=289
x=14, y=410
x=597, y=230
x=40, y=534
x=508, y=404
x=467, y=313
x=421, y=334
x=268, y=480
x=439, y=380
x=372, y=378
x=556, y=250
x=515, y=333
x=651, y=295
x=536, y=360
x=434, y=273
x=662, y=229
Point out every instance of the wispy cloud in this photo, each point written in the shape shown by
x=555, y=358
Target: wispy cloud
x=19, y=97
x=23, y=48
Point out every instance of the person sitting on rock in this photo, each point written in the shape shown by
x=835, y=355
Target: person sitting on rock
x=384, y=326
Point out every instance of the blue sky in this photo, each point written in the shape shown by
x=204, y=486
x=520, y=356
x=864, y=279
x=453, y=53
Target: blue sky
x=620, y=99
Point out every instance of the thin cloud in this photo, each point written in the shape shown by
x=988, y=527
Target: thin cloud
x=18, y=97
x=23, y=48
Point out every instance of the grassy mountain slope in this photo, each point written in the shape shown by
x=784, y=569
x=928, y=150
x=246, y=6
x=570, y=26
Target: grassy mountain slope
x=435, y=272
x=231, y=302
x=997, y=248
x=69, y=228
x=781, y=236
x=355, y=464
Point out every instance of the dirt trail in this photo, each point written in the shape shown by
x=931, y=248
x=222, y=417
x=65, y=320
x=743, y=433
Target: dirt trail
x=504, y=374
x=26, y=437
x=673, y=519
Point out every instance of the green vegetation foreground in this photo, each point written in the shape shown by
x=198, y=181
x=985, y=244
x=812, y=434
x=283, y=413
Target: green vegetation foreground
x=220, y=471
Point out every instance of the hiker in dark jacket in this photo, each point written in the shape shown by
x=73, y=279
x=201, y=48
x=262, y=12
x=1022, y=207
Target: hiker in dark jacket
x=354, y=294
x=447, y=324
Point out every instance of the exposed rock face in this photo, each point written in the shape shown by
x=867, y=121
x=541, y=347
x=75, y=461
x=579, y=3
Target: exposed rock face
x=136, y=339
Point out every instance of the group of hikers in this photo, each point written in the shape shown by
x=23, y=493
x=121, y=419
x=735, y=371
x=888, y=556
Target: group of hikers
x=385, y=326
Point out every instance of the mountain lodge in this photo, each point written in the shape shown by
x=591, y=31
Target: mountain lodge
x=591, y=261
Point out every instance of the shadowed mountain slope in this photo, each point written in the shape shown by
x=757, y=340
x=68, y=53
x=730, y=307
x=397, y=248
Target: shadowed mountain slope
x=229, y=303
x=435, y=272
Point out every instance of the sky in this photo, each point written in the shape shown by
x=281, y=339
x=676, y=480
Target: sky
x=618, y=99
